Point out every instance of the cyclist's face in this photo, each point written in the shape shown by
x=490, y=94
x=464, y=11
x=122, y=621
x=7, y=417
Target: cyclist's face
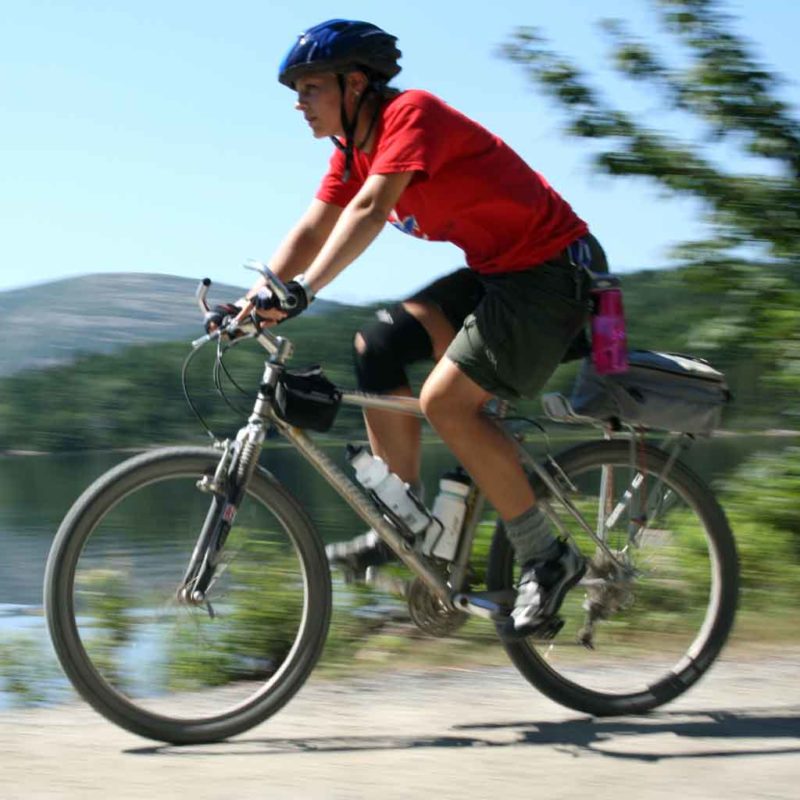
x=319, y=98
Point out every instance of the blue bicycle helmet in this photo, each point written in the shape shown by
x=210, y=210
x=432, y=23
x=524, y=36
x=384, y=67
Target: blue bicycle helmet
x=340, y=45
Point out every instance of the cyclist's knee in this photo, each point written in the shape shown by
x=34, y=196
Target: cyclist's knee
x=440, y=405
x=385, y=346
x=448, y=397
x=430, y=400
x=436, y=324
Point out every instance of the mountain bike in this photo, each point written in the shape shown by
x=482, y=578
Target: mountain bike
x=188, y=595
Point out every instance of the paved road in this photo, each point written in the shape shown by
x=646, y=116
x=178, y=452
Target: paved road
x=444, y=734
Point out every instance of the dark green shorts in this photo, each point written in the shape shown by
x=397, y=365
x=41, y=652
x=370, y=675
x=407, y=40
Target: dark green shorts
x=514, y=329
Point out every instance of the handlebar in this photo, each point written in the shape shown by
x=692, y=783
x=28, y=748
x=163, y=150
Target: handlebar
x=274, y=283
x=250, y=327
x=202, y=293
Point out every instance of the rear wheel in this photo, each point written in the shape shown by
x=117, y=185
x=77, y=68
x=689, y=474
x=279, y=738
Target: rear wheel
x=153, y=663
x=632, y=641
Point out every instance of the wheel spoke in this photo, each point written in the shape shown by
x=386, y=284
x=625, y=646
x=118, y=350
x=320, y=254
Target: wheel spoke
x=179, y=671
x=661, y=583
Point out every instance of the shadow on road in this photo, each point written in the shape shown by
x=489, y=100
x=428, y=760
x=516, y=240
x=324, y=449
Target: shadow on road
x=656, y=737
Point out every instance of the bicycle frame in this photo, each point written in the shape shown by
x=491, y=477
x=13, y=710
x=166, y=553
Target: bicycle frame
x=450, y=588
x=370, y=512
x=198, y=680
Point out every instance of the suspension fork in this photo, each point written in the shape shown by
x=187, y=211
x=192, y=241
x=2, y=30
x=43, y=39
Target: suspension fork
x=227, y=488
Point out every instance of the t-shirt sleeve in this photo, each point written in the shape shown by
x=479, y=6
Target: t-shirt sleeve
x=410, y=142
x=331, y=189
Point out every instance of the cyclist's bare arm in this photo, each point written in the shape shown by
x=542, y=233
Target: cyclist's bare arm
x=298, y=249
x=356, y=228
x=303, y=242
x=347, y=234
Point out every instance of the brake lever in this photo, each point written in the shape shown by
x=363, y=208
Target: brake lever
x=229, y=330
x=286, y=299
x=249, y=326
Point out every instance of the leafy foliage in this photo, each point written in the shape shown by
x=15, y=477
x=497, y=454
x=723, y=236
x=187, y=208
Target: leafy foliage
x=737, y=151
x=721, y=91
x=28, y=670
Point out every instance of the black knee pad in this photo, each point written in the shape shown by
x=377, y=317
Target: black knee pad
x=392, y=341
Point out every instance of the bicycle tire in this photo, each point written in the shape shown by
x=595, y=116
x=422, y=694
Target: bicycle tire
x=159, y=469
x=564, y=677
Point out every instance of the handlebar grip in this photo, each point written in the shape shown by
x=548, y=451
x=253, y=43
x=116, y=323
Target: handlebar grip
x=202, y=293
x=203, y=339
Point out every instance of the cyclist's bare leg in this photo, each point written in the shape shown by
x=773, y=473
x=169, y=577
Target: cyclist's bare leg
x=396, y=437
x=452, y=402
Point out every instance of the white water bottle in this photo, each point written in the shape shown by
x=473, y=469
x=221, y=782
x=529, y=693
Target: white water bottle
x=373, y=473
x=449, y=509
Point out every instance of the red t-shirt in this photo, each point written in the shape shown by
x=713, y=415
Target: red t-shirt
x=470, y=187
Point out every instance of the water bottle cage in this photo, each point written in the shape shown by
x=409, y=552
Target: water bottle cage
x=428, y=542
x=397, y=521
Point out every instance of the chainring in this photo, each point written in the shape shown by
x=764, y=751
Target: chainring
x=430, y=614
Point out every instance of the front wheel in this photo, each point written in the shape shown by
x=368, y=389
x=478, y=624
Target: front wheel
x=145, y=658
x=632, y=641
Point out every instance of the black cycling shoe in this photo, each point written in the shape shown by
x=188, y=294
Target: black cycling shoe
x=353, y=558
x=540, y=592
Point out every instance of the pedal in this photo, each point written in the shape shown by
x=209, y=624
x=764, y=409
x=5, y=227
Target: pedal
x=489, y=605
x=545, y=631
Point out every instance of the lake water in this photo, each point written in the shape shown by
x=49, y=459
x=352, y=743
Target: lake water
x=37, y=491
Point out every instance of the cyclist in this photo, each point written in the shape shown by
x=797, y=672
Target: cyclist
x=500, y=326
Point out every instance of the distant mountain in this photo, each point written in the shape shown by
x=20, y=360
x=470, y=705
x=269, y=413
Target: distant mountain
x=76, y=404
x=50, y=323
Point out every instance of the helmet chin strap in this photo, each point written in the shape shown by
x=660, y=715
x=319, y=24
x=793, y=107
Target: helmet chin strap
x=349, y=127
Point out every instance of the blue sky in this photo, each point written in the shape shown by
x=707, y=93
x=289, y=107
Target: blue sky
x=152, y=136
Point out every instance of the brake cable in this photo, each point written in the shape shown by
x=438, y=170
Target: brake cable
x=186, y=395
x=220, y=365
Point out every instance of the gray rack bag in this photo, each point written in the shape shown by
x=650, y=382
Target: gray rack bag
x=662, y=391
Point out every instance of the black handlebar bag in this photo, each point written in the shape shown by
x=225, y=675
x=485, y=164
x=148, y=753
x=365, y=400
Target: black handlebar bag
x=307, y=399
x=662, y=391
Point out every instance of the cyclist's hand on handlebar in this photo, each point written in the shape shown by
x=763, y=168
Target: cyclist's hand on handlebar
x=222, y=315
x=269, y=308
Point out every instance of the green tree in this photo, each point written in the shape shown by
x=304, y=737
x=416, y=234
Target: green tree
x=737, y=151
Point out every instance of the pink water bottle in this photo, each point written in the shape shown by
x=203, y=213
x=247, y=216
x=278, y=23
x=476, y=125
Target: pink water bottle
x=609, y=341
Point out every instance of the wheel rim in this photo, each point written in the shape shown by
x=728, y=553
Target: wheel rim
x=657, y=625
x=152, y=652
